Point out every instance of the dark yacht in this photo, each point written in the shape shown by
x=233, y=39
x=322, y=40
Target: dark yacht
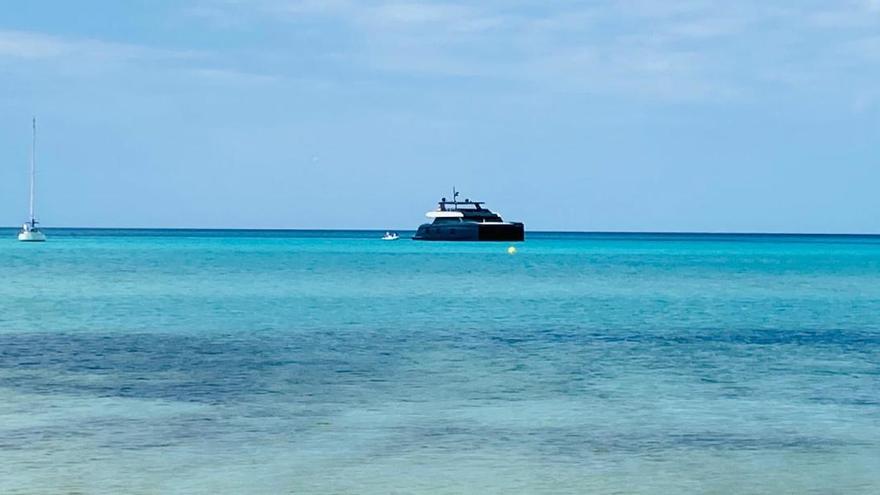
x=467, y=221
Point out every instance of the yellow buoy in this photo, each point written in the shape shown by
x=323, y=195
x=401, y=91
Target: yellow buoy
x=511, y=250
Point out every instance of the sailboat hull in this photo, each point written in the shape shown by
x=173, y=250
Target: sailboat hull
x=31, y=236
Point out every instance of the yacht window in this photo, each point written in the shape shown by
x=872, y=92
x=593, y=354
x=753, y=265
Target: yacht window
x=447, y=220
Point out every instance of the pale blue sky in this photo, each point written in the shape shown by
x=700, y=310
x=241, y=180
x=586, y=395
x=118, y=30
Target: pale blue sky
x=655, y=115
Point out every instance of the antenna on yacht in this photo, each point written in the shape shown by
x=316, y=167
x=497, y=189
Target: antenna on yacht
x=454, y=197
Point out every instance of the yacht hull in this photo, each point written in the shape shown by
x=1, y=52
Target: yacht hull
x=471, y=231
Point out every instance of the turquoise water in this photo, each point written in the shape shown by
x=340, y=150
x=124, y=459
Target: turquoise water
x=333, y=362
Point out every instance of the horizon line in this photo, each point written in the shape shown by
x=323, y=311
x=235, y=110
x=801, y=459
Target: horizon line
x=600, y=232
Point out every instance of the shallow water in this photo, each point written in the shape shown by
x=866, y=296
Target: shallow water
x=333, y=362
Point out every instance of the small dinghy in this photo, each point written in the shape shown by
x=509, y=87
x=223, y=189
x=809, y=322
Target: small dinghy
x=390, y=236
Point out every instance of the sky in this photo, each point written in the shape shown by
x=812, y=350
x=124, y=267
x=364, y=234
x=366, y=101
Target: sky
x=630, y=115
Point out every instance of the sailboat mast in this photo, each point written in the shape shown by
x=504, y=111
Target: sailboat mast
x=33, y=167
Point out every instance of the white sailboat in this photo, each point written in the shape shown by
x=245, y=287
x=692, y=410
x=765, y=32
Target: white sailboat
x=29, y=230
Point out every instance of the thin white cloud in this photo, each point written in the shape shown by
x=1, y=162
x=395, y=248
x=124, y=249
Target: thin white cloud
x=79, y=57
x=708, y=27
x=227, y=76
x=39, y=46
x=867, y=48
x=419, y=15
x=568, y=48
x=655, y=49
x=30, y=46
x=847, y=15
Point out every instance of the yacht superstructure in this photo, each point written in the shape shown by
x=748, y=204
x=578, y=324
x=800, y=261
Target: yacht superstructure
x=467, y=221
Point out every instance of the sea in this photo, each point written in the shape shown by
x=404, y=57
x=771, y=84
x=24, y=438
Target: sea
x=332, y=362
